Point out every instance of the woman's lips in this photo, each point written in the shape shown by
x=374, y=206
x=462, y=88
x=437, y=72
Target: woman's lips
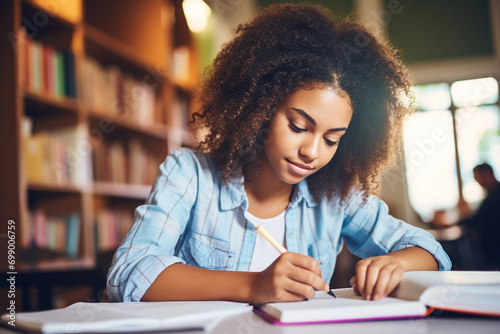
x=299, y=169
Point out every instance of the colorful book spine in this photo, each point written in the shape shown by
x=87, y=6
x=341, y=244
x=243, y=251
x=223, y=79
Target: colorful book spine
x=69, y=74
x=27, y=61
x=73, y=235
x=48, y=80
x=60, y=90
x=40, y=228
x=37, y=68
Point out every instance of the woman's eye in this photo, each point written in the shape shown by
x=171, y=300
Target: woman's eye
x=331, y=143
x=294, y=128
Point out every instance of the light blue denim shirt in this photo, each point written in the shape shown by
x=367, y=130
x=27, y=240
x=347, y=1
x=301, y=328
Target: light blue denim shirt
x=191, y=217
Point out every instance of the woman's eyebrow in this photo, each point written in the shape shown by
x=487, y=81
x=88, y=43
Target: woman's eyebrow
x=313, y=122
x=305, y=115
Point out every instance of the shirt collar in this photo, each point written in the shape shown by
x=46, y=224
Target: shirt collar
x=301, y=191
x=232, y=194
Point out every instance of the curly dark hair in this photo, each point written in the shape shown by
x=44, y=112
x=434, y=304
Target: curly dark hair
x=290, y=47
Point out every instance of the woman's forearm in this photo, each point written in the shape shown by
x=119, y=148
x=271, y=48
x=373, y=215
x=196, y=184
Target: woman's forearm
x=290, y=277
x=183, y=282
x=415, y=258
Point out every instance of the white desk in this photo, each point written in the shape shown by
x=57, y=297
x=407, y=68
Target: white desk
x=250, y=323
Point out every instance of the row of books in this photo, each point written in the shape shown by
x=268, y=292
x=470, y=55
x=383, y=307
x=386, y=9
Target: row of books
x=57, y=157
x=106, y=89
x=117, y=162
x=111, y=226
x=60, y=233
x=47, y=71
x=56, y=233
x=53, y=157
x=110, y=90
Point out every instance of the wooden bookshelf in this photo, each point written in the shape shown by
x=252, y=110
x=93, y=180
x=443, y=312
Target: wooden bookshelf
x=125, y=104
x=133, y=191
x=50, y=187
x=55, y=20
x=62, y=264
x=40, y=103
x=154, y=130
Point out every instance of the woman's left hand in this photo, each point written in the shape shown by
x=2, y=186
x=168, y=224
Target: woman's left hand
x=377, y=276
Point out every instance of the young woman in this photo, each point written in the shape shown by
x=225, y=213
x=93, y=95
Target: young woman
x=302, y=114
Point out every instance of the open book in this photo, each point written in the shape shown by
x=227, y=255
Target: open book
x=417, y=295
x=126, y=317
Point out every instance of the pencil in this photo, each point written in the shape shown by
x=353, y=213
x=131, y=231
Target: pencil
x=263, y=232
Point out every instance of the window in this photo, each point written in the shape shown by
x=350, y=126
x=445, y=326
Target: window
x=455, y=128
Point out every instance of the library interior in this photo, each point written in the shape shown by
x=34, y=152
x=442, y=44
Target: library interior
x=95, y=94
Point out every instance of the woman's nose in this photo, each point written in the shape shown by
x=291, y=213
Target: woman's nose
x=310, y=149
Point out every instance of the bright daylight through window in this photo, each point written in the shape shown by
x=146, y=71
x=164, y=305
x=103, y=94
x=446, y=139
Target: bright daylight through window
x=464, y=115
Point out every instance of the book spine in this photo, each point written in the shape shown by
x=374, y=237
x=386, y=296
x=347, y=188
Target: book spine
x=40, y=228
x=69, y=74
x=37, y=71
x=73, y=222
x=45, y=72
x=51, y=234
x=60, y=74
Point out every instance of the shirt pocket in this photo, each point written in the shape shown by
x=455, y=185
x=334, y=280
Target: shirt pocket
x=209, y=253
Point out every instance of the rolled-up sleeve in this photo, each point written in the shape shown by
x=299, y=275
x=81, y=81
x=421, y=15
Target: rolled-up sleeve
x=369, y=230
x=149, y=246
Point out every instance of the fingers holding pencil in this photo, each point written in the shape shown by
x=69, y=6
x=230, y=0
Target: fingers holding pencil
x=291, y=277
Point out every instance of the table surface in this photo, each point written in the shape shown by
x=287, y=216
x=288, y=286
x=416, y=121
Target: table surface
x=251, y=323
x=248, y=323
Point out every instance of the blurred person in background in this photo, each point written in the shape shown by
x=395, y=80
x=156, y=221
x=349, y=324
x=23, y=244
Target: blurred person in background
x=484, y=224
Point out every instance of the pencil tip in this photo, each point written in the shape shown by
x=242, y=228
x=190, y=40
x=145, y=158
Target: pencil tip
x=330, y=292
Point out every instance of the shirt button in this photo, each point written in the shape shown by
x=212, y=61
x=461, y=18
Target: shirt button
x=292, y=234
x=320, y=262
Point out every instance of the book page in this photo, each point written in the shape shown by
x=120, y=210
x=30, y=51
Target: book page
x=414, y=283
x=128, y=317
x=476, y=292
x=478, y=299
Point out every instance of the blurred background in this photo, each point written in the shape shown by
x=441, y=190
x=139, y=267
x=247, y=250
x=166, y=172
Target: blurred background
x=94, y=94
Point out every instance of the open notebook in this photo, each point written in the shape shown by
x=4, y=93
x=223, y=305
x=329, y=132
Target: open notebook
x=417, y=295
x=126, y=317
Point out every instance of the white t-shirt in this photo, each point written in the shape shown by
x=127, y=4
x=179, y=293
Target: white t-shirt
x=264, y=253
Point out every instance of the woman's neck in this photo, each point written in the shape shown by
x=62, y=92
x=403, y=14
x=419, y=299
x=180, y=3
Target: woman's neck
x=267, y=194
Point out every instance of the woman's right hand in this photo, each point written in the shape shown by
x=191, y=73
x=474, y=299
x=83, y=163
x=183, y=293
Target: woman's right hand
x=291, y=277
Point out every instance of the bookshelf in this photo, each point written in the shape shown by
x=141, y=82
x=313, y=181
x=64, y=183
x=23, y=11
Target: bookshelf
x=91, y=102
